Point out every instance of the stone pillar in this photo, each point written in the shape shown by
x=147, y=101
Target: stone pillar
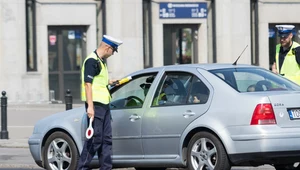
x=124, y=21
x=233, y=31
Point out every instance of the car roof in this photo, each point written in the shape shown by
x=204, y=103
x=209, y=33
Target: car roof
x=209, y=66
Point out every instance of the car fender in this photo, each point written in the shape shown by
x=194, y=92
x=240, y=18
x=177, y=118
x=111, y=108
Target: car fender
x=72, y=128
x=217, y=128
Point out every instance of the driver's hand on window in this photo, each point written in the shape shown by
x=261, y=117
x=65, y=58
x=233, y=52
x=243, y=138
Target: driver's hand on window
x=196, y=100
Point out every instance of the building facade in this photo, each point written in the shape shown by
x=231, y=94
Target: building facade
x=44, y=42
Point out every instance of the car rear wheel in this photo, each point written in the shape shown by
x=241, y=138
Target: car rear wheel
x=206, y=152
x=295, y=166
x=60, y=152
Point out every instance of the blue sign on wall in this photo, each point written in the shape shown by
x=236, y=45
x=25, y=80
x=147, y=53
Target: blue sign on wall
x=169, y=10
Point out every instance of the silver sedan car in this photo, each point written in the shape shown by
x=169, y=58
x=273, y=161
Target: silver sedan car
x=199, y=117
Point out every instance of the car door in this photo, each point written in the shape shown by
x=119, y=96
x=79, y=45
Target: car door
x=166, y=118
x=127, y=109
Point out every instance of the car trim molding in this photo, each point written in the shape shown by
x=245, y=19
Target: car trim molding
x=264, y=136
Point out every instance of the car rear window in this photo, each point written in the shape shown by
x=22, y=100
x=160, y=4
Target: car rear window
x=254, y=79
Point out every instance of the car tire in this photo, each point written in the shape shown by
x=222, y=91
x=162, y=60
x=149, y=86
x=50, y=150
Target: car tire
x=287, y=167
x=207, y=151
x=60, y=150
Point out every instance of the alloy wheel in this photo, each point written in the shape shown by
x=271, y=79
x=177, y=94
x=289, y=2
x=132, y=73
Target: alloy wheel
x=59, y=154
x=204, y=154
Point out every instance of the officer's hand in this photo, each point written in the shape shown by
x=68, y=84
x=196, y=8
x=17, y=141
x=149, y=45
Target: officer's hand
x=274, y=69
x=113, y=82
x=90, y=112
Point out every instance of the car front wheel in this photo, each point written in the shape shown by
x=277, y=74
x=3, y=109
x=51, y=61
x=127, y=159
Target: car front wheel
x=206, y=152
x=60, y=152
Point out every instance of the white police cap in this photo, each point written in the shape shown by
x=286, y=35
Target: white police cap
x=284, y=30
x=113, y=42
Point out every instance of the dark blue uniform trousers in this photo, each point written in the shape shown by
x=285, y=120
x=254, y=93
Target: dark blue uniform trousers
x=101, y=142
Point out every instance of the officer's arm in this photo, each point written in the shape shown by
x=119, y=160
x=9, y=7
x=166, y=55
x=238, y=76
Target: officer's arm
x=88, y=93
x=297, y=54
x=90, y=71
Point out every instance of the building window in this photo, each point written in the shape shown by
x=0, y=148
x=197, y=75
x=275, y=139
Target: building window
x=31, y=36
x=274, y=39
x=147, y=33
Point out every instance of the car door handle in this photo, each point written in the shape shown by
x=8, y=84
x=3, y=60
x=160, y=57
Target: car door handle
x=134, y=117
x=188, y=114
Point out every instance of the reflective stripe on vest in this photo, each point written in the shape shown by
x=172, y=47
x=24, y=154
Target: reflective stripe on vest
x=100, y=92
x=290, y=68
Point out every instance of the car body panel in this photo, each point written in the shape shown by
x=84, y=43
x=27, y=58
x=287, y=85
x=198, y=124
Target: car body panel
x=127, y=133
x=58, y=121
x=282, y=103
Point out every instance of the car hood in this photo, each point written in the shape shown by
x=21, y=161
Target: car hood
x=58, y=119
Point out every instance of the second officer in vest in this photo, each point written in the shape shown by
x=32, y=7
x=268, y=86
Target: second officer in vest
x=287, y=59
x=95, y=93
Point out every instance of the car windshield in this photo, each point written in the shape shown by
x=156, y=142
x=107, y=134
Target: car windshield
x=254, y=79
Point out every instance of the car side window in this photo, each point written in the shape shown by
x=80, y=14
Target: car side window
x=132, y=94
x=199, y=92
x=172, y=89
x=246, y=81
x=252, y=80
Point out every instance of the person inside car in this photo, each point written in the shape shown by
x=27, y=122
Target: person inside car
x=251, y=88
x=199, y=93
x=161, y=99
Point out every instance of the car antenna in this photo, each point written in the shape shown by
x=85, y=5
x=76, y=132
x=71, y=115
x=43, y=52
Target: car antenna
x=240, y=56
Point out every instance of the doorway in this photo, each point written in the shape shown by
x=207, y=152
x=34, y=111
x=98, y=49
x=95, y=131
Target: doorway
x=66, y=52
x=180, y=43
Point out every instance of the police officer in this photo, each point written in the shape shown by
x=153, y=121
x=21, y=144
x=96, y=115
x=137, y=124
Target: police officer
x=97, y=97
x=287, y=59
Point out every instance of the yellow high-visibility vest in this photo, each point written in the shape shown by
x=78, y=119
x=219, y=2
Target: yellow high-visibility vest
x=290, y=68
x=100, y=91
